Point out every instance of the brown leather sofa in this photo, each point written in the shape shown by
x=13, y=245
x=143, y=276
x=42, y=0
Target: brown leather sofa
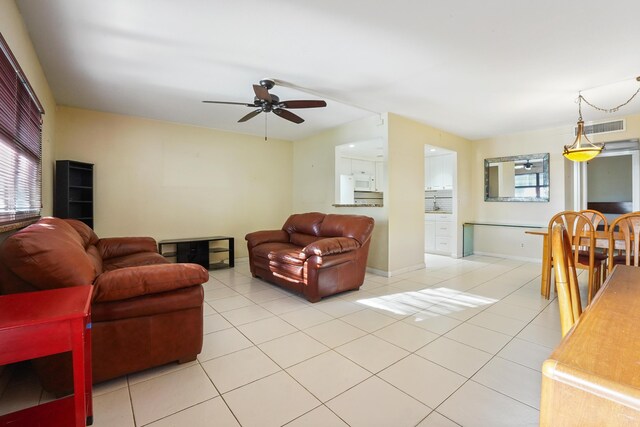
x=145, y=311
x=315, y=254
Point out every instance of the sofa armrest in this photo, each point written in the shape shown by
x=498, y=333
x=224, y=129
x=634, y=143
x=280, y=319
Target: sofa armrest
x=258, y=237
x=331, y=246
x=113, y=247
x=131, y=282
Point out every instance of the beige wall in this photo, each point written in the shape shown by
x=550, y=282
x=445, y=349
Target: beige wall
x=407, y=139
x=512, y=241
x=168, y=180
x=398, y=240
x=17, y=37
x=314, y=179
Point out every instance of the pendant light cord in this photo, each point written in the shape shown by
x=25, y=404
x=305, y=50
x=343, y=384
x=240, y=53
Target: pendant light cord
x=606, y=110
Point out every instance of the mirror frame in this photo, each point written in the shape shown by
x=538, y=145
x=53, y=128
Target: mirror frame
x=545, y=169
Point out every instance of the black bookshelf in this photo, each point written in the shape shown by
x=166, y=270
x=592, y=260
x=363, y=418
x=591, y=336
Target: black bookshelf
x=74, y=191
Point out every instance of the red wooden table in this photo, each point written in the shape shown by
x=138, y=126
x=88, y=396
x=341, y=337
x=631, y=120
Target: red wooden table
x=36, y=324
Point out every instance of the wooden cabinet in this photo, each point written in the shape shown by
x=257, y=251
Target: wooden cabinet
x=36, y=324
x=74, y=191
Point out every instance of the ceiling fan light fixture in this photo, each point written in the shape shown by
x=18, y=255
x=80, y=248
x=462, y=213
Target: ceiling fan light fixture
x=581, y=151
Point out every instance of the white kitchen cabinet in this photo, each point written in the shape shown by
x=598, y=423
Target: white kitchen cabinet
x=343, y=166
x=438, y=233
x=429, y=236
x=439, y=172
x=363, y=167
x=447, y=170
x=379, y=176
x=433, y=172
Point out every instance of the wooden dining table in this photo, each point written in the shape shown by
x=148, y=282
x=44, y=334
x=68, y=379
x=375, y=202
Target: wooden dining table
x=593, y=376
x=602, y=241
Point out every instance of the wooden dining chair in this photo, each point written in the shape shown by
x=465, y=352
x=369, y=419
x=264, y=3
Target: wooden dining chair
x=598, y=219
x=566, y=278
x=627, y=228
x=582, y=237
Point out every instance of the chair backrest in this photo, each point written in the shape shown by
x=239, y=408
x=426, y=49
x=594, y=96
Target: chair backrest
x=578, y=226
x=566, y=278
x=596, y=218
x=629, y=228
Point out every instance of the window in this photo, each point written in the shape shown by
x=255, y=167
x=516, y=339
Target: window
x=20, y=143
x=532, y=185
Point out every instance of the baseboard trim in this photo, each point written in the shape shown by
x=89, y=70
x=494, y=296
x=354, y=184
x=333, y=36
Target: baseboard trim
x=516, y=258
x=378, y=272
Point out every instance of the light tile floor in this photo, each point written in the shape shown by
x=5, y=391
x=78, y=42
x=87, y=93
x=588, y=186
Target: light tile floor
x=460, y=342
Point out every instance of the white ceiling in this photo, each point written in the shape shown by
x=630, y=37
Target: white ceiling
x=473, y=68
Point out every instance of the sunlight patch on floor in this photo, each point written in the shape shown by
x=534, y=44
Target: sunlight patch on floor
x=437, y=300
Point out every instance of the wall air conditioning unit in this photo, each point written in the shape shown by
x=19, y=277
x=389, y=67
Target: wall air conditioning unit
x=602, y=127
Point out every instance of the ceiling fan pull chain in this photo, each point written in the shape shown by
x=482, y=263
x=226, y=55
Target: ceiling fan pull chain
x=265, y=128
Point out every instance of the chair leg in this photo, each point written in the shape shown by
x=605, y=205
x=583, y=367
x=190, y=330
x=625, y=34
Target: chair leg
x=594, y=283
x=546, y=274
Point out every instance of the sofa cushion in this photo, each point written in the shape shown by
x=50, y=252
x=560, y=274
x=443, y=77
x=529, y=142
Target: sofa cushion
x=49, y=254
x=147, y=305
x=131, y=282
x=357, y=227
x=303, y=240
x=306, y=223
x=291, y=256
x=85, y=232
x=115, y=247
x=133, y=260
x=96, y=259
x=331, y=246
x=263, y=250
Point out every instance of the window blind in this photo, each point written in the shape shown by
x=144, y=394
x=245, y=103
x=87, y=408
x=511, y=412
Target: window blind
x=20, y=143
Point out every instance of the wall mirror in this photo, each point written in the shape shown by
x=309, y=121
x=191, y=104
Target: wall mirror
x=523, y=178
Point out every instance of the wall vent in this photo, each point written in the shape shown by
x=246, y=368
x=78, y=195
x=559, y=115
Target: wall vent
x=604, y=127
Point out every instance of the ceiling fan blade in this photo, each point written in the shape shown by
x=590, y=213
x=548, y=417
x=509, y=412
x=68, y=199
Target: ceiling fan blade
x=230, y=103
x=262, y=93
x=303, y=104
x=288, y=115
x=250, y=115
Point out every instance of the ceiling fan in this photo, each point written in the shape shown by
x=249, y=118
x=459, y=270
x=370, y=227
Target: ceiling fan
x=527, y=165
x=268, y=102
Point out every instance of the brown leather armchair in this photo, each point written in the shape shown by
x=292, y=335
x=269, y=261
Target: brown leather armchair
x=145, y=311
x=315, y=254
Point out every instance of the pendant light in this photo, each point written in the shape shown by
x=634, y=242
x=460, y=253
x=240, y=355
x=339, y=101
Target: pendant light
x=582, y=149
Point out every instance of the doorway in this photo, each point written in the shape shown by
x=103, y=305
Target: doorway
x=440, y=201
x=609, y=183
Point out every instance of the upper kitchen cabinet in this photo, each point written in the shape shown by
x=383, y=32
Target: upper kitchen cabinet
x=363, y=167
x=359, y=169
x=438, y=172
x=379, y=176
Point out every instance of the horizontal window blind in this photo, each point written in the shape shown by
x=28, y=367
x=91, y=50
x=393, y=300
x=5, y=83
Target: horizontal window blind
x=20, y=143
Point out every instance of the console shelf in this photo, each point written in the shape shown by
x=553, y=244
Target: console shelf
x=199, y=250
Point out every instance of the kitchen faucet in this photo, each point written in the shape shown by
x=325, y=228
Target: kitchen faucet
x=435, y=206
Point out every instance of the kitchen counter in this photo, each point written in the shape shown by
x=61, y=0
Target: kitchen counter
x=438, y=212
x=357, y=205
